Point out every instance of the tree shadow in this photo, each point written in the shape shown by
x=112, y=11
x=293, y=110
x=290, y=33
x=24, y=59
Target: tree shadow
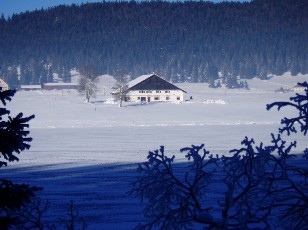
x=99, y=192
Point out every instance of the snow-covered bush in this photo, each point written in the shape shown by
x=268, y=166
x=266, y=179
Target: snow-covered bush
x=87, y=84
x=122, y=78
x=258, y=186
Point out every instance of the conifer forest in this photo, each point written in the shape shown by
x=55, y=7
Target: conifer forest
x=180, y=41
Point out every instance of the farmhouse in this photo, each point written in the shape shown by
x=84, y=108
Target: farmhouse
x=298, y=88
x=152, y=88
x=4, y=85
x=30, y=87
x=60, y=86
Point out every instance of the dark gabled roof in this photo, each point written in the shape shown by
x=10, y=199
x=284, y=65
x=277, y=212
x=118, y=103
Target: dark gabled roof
x=152, y=82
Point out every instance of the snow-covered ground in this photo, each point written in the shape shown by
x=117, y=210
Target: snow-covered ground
x=87, y=152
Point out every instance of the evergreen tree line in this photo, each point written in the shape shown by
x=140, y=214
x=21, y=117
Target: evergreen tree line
x=180, y=41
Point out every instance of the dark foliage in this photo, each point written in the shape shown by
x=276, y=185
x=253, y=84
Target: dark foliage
x=74, y=220
x=13, y=139
x=173, y=196
x=13, y=135
x=181, y=41
x=262, y=183
x=260, y=186
x=300, y=103
x=32, y=216
x=13, y=197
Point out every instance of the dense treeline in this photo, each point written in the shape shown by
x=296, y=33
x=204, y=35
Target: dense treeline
x=181, y=41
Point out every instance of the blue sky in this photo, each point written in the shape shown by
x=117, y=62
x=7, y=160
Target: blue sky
x=9, y=7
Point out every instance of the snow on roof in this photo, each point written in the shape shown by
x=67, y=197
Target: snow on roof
x=138, y=80
x=30, y=87
x=57, y=84
x=142, y=78
x=298, y=86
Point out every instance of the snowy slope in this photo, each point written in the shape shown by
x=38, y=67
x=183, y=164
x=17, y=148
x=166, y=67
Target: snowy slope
x=87, y=152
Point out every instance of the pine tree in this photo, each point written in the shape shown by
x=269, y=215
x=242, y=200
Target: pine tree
x=13, y=140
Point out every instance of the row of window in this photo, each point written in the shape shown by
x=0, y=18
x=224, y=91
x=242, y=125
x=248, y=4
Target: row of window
x=157, y=91
x=157, y=98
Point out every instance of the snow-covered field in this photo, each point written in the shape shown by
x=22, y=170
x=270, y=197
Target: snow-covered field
x=87, y=152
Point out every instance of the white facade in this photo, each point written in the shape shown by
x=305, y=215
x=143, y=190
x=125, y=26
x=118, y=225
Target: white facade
x=30, y=87
x=4, y=85
x=151, y=88
x=298, y=88
x=155, y=95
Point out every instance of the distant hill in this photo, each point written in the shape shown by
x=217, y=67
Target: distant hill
x=181, y=41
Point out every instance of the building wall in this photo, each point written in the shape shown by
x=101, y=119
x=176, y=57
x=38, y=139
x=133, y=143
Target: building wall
x=298, y=89
x=30, y=87
x=60, y=86
x=155, y=95
x=3, y=85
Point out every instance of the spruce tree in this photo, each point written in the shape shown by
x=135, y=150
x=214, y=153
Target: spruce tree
x=13, y=140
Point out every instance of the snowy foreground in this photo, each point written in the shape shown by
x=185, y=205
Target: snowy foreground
x=87, y=152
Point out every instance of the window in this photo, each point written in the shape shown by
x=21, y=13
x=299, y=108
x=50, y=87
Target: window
x=167, y=98
x=156, y=98
x=148, y=91
x=158, y=91
x=178, y=98
x=167, y=91
x=138, y=98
